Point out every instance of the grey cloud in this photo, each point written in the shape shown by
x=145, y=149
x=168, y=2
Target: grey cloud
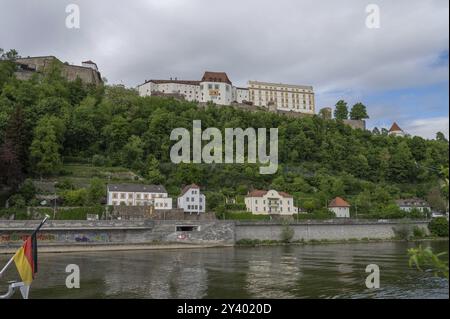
x=322, y=43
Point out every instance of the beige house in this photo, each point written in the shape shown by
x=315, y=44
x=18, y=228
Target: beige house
x=261, y=202
x=138, y=195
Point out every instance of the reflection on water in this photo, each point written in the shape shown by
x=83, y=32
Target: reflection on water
x=310, y=271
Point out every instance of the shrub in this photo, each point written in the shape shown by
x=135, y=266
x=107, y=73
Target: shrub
x=418, y=232
x=17, y=201
x=439, y=227
x=287, y=233
x=98, y=160
x=403, y=231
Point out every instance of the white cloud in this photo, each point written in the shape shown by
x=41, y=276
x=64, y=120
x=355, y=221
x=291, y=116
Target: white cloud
x=428, y=127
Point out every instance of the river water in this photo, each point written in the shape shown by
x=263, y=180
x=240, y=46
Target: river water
x=306, y=271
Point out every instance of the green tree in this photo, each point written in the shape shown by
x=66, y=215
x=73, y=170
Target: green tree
x=341, y=110
x=96, y=191
x=359, y=112
x=44, y=150
x=153, y=174
x=441, y=137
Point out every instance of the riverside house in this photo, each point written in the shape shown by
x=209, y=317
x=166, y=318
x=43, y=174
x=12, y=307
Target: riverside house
x=340, y=207
x=271, y=202
x=139, y=195
x=192, y=200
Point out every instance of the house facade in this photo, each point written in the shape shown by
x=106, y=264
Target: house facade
x=282, y=97
x=409, y=204
x=261, y=202
x=138, y=195
x=340, y=207
x=192, y=200
x=216, y=87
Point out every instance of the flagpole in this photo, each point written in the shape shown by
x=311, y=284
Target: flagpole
x=12, y=258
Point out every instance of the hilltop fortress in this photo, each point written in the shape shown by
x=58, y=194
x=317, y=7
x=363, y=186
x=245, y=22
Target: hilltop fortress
x=216, y=87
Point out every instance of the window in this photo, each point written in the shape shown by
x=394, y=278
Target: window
x=130, y=195
x=216, y=86
x=210, y=86
x=122, y=196
x=114, y=195
x=187, y=199
x=138, y=196
x=201, y=207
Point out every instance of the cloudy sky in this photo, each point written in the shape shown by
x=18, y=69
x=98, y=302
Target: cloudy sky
x=400, y=70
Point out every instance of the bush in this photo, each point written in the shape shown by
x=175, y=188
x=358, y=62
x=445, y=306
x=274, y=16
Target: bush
x=439, y=227
x=287, y=233
x=98, y=160
x=419, y=232
x=403, y=231
x=79, y=213
x=17, y=201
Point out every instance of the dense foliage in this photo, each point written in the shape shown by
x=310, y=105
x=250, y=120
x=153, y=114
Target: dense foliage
x=45, y=120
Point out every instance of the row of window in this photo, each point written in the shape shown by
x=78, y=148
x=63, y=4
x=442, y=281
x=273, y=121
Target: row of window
x=138, y=196
x=159, y=205
x=192, y=199
x=278, y=88
x=190, y=207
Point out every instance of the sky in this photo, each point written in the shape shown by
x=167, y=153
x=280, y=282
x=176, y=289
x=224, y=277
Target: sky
x=400, y=70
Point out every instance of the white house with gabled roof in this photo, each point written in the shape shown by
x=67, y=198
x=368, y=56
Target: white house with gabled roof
x=192, y=200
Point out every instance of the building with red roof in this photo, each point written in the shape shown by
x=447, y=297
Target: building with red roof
x=339, y=207
x=270, y=202
x=395, y=130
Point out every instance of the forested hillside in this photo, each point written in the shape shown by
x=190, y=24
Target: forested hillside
x=47, y=121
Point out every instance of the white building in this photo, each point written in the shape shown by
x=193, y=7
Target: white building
x=395, y=130
x=409, y=204
x=192, y=200
x=138, y=195
x=261, y=202
x=216, y=87
x=282, y=97
x=340, y=208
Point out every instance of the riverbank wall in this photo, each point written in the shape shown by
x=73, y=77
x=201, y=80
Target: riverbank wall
x=124, y=235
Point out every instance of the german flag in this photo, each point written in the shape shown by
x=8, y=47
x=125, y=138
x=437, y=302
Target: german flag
x=26, y=259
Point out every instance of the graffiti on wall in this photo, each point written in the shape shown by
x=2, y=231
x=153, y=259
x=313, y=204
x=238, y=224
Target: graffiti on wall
x=90, y=237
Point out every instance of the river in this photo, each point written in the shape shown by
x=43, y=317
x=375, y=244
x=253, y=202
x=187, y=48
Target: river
x=297, y=271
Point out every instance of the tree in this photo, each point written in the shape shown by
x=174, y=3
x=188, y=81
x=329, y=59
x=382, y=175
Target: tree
x=439, y=226
x=44, y=150
x=13, y=153
x=376, y=131
x=359, y=112
x=341, y=110
x=133, y=151
x=96, y=191
x=441, y=137
x=153, y=174
x=401, y=164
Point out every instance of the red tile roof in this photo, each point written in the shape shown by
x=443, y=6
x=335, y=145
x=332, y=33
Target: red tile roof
x=188, y=187
x=338, y=202
x=261, y=193
x=216, y=77
x=395, y=128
